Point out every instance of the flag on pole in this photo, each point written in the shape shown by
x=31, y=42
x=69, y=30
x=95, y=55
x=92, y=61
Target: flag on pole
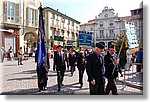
x=41, y=47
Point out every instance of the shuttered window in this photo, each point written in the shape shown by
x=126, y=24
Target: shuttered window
x=32, y=17
x=11, y=11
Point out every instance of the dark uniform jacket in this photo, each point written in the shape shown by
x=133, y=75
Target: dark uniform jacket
x=111, y=70
x=72, y=59
x=59, y=61
x=80, y=59
x=95, y=69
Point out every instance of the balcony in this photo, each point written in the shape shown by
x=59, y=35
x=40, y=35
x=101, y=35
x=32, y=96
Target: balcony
x=15, y=20
x=31, y=23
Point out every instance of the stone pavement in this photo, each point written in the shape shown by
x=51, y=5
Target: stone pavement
x=22, y=80
x=132, y=78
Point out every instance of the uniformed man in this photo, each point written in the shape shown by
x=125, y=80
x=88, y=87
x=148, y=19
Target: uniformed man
x=81, y=65
x=95, y=71
x=72, y=60
x=59, y=61
x=112, y=68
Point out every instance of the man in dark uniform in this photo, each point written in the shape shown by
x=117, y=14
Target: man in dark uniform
x=112, y=68
x=60, y=65
x=95, y=71
x=81, y=65
x=72, y=60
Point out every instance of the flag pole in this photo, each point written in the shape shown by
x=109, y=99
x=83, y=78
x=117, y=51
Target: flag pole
x=122, y=43
x=124, y=33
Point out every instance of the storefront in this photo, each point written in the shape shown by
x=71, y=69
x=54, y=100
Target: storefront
x=11, y=39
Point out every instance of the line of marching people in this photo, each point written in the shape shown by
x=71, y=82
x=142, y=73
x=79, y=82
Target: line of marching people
x=72, y=59
x=99, y=65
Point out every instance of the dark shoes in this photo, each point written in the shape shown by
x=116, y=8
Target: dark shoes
x=44, y=89
x=58, y=89
x=20, y=64
x=62, y=84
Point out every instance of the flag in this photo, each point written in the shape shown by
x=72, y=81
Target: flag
x=131, y=35
x=41, y=47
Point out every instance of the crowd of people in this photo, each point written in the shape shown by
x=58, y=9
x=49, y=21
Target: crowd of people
x=100, y=65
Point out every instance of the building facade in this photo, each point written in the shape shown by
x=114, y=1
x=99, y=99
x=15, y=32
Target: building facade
x=90, y=26
x=108, y=26
x=104, y=27
x=10, y=24
x=29, y=24
x=18, y=23
x=137, y=18
x=60, y=29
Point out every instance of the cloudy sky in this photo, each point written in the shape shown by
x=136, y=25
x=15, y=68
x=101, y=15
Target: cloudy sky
x=84, y=10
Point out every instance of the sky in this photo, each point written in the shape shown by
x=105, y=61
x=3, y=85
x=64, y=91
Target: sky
x=84, y=10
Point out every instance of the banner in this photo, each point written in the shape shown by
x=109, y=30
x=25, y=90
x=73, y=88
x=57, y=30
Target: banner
x=85, y=38
x=41, y=47
x=131, y=35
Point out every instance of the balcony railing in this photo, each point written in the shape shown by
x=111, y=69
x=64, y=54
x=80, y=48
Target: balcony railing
x=32, y=23
x=16, y=20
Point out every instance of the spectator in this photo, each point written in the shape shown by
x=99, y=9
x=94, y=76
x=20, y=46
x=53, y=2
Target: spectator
x=139, y=59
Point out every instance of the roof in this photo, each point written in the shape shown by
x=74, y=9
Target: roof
x=127, y=18
x=90, y=22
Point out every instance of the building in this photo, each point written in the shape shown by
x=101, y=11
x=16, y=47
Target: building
x=104, y=27
x=10, y=22
x=29, y=23
x=137, y=18
x=19, y=23
x=60, y=29
x=1, y=21
x=89, y=27
x=108, y=26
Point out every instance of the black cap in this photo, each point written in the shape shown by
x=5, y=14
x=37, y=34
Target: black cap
x=59, y=46
x=111, y=46
x=99, y=45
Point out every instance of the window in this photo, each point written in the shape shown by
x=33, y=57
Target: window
x=72, y=23
x=11, y=11
x=111, y=24
x=63, y=20
x=68, y=22
x=101, y=25
x=101, y=33
x=31, y=16
x=53, y=16
x=111, y=32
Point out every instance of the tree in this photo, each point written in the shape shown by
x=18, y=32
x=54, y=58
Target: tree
x=122, y=56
